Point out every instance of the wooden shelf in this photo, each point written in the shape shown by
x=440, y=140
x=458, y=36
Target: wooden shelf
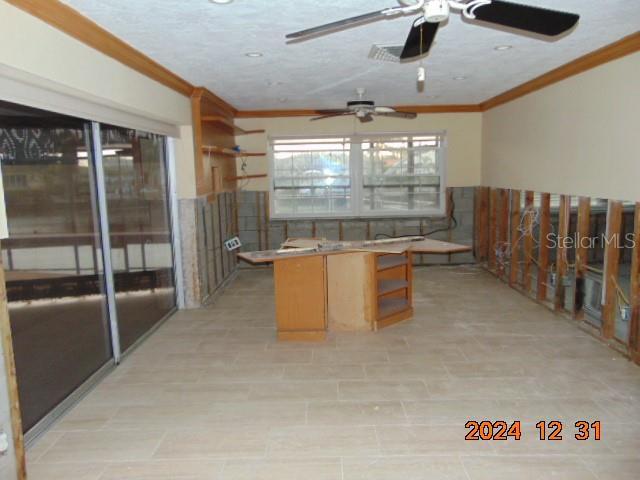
x=390, y=286
x=225, y=123
x=246, y=177
x=391, y=306
x=386, y=262
x=229, y=151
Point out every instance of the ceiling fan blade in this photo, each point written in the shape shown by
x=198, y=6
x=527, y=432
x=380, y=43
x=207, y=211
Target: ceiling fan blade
x=525, y=17
x=331, y=115
x=421, y=36
x=333, y=111
x=339, y=24
x=407, y=115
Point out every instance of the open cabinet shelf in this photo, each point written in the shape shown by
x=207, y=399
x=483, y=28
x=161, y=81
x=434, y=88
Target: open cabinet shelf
x=393, y=277
x=389, y=286
x=228, y=125
x=229, y=151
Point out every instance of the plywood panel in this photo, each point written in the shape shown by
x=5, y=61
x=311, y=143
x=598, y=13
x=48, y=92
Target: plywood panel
x=350, y=288
x=301, y=299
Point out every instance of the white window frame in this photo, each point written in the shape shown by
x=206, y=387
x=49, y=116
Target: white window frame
x=356, y=175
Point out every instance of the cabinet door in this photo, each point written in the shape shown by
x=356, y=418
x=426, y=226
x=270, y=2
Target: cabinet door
x=300, y=285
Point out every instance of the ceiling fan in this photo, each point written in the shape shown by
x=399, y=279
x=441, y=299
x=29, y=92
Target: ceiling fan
x=363, y=110
x=433, y=12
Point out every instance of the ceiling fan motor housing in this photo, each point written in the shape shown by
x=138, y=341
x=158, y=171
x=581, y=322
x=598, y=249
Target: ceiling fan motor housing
x=436, y=11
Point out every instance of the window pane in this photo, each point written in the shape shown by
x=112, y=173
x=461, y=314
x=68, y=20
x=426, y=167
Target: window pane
x=401, y=174
x=312, y=176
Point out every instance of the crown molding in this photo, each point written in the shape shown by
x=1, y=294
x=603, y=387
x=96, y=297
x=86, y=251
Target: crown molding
x=71, y=22
x=613, y=51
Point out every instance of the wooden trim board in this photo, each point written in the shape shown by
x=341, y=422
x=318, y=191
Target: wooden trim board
x=12, y=380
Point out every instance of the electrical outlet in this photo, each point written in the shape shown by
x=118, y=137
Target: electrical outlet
x=232, y=244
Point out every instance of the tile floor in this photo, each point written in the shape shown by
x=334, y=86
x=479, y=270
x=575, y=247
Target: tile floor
x=212, y=395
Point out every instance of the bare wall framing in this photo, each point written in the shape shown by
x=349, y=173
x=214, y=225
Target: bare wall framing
x=258, y=232
x=575, y=255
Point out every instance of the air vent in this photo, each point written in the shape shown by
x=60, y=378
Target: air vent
x=386, y=53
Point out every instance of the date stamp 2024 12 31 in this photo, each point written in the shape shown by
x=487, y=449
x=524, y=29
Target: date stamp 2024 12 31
x=547, y=430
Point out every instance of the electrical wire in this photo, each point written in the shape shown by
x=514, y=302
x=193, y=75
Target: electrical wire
x=453, y=224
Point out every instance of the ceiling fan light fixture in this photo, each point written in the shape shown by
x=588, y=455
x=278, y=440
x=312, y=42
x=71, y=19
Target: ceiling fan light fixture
x=436, y=11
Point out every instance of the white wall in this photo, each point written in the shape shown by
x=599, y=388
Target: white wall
x=579, y=136
x=464, y=136
x=31, y=46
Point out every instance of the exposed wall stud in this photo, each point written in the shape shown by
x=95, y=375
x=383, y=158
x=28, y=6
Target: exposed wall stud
x=503, y=229
x=493, y=213
x=527, y=241
x=514, y=269
x=611, y=268
x=543, y=246
x=634, y=325
x=582, y=252
x=562, y=264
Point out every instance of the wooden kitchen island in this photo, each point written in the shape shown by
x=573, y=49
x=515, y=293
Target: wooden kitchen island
x=357, y=288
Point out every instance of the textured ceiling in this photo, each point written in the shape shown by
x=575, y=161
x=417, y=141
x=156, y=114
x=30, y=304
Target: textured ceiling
x=206, y=44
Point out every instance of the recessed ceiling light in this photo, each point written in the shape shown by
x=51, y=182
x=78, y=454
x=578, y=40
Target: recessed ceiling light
x=501, y=48
x=460, y=77
x=221, y=2
x=253, y=54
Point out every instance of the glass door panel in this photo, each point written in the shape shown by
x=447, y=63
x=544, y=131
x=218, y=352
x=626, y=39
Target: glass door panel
x=55, y=280
x=140, y=229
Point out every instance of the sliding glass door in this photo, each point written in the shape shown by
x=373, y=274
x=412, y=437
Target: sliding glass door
x=54, y=273
x=73, y=187
x=140, y=229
